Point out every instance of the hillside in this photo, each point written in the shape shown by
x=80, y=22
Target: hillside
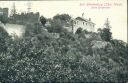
x=42, y=57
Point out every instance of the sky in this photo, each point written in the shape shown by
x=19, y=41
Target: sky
x=97, y=10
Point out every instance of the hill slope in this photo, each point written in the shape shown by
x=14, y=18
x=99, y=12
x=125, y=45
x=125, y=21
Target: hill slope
x=41, y=57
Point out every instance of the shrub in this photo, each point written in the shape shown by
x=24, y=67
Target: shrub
x=4, y=38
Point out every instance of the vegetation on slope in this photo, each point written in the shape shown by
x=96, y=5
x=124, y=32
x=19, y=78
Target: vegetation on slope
x=41, y=57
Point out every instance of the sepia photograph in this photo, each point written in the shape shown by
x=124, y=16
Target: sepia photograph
x=52, y=41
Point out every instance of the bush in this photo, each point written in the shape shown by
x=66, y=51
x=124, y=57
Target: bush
x=3, y=39
x=106, y=34
x=43, y=20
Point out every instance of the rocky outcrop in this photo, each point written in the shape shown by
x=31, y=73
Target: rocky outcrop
x=1, y=24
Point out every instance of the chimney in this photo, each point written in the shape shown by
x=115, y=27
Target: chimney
x=82, y=15
x=89, y=19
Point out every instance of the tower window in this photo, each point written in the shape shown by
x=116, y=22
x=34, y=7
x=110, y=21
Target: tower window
x=83, y=23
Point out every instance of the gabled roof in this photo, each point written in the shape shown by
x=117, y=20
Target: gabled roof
x=82, y=19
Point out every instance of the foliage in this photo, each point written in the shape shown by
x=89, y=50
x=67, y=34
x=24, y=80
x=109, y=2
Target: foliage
x=43, y=20
x=120, y=55
x=105, y=33
x=58, y=22
x=32, y=29
x=56, y=26
x=39, y=57
x=79, y=30
x=65, y=18
x=3, y=39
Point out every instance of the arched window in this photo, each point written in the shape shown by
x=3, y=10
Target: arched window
x=83, y=23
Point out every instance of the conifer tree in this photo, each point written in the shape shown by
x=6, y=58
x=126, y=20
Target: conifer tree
x=105, y=33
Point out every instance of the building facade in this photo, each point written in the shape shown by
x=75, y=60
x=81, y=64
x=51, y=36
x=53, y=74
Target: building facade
x=85, y=24
x=25, y=18
x=4, y=11
x=4, y=15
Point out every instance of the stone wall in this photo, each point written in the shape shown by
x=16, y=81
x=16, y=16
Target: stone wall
x=25, y=18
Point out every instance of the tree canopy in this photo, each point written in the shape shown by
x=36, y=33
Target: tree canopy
x=43, y=20
x=105, y=33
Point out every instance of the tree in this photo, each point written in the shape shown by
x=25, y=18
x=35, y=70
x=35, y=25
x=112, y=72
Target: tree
x=79, y=30
x=85, y=31
x=64, y=18
x=55, y=27
x=105, y=33
x=3, y=39
x=43, y=20
x=58, y=23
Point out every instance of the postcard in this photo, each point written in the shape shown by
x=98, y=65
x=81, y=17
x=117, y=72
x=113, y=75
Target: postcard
x=63, y=41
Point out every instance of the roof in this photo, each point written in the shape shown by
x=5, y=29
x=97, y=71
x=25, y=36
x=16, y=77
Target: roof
x=83, y=19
